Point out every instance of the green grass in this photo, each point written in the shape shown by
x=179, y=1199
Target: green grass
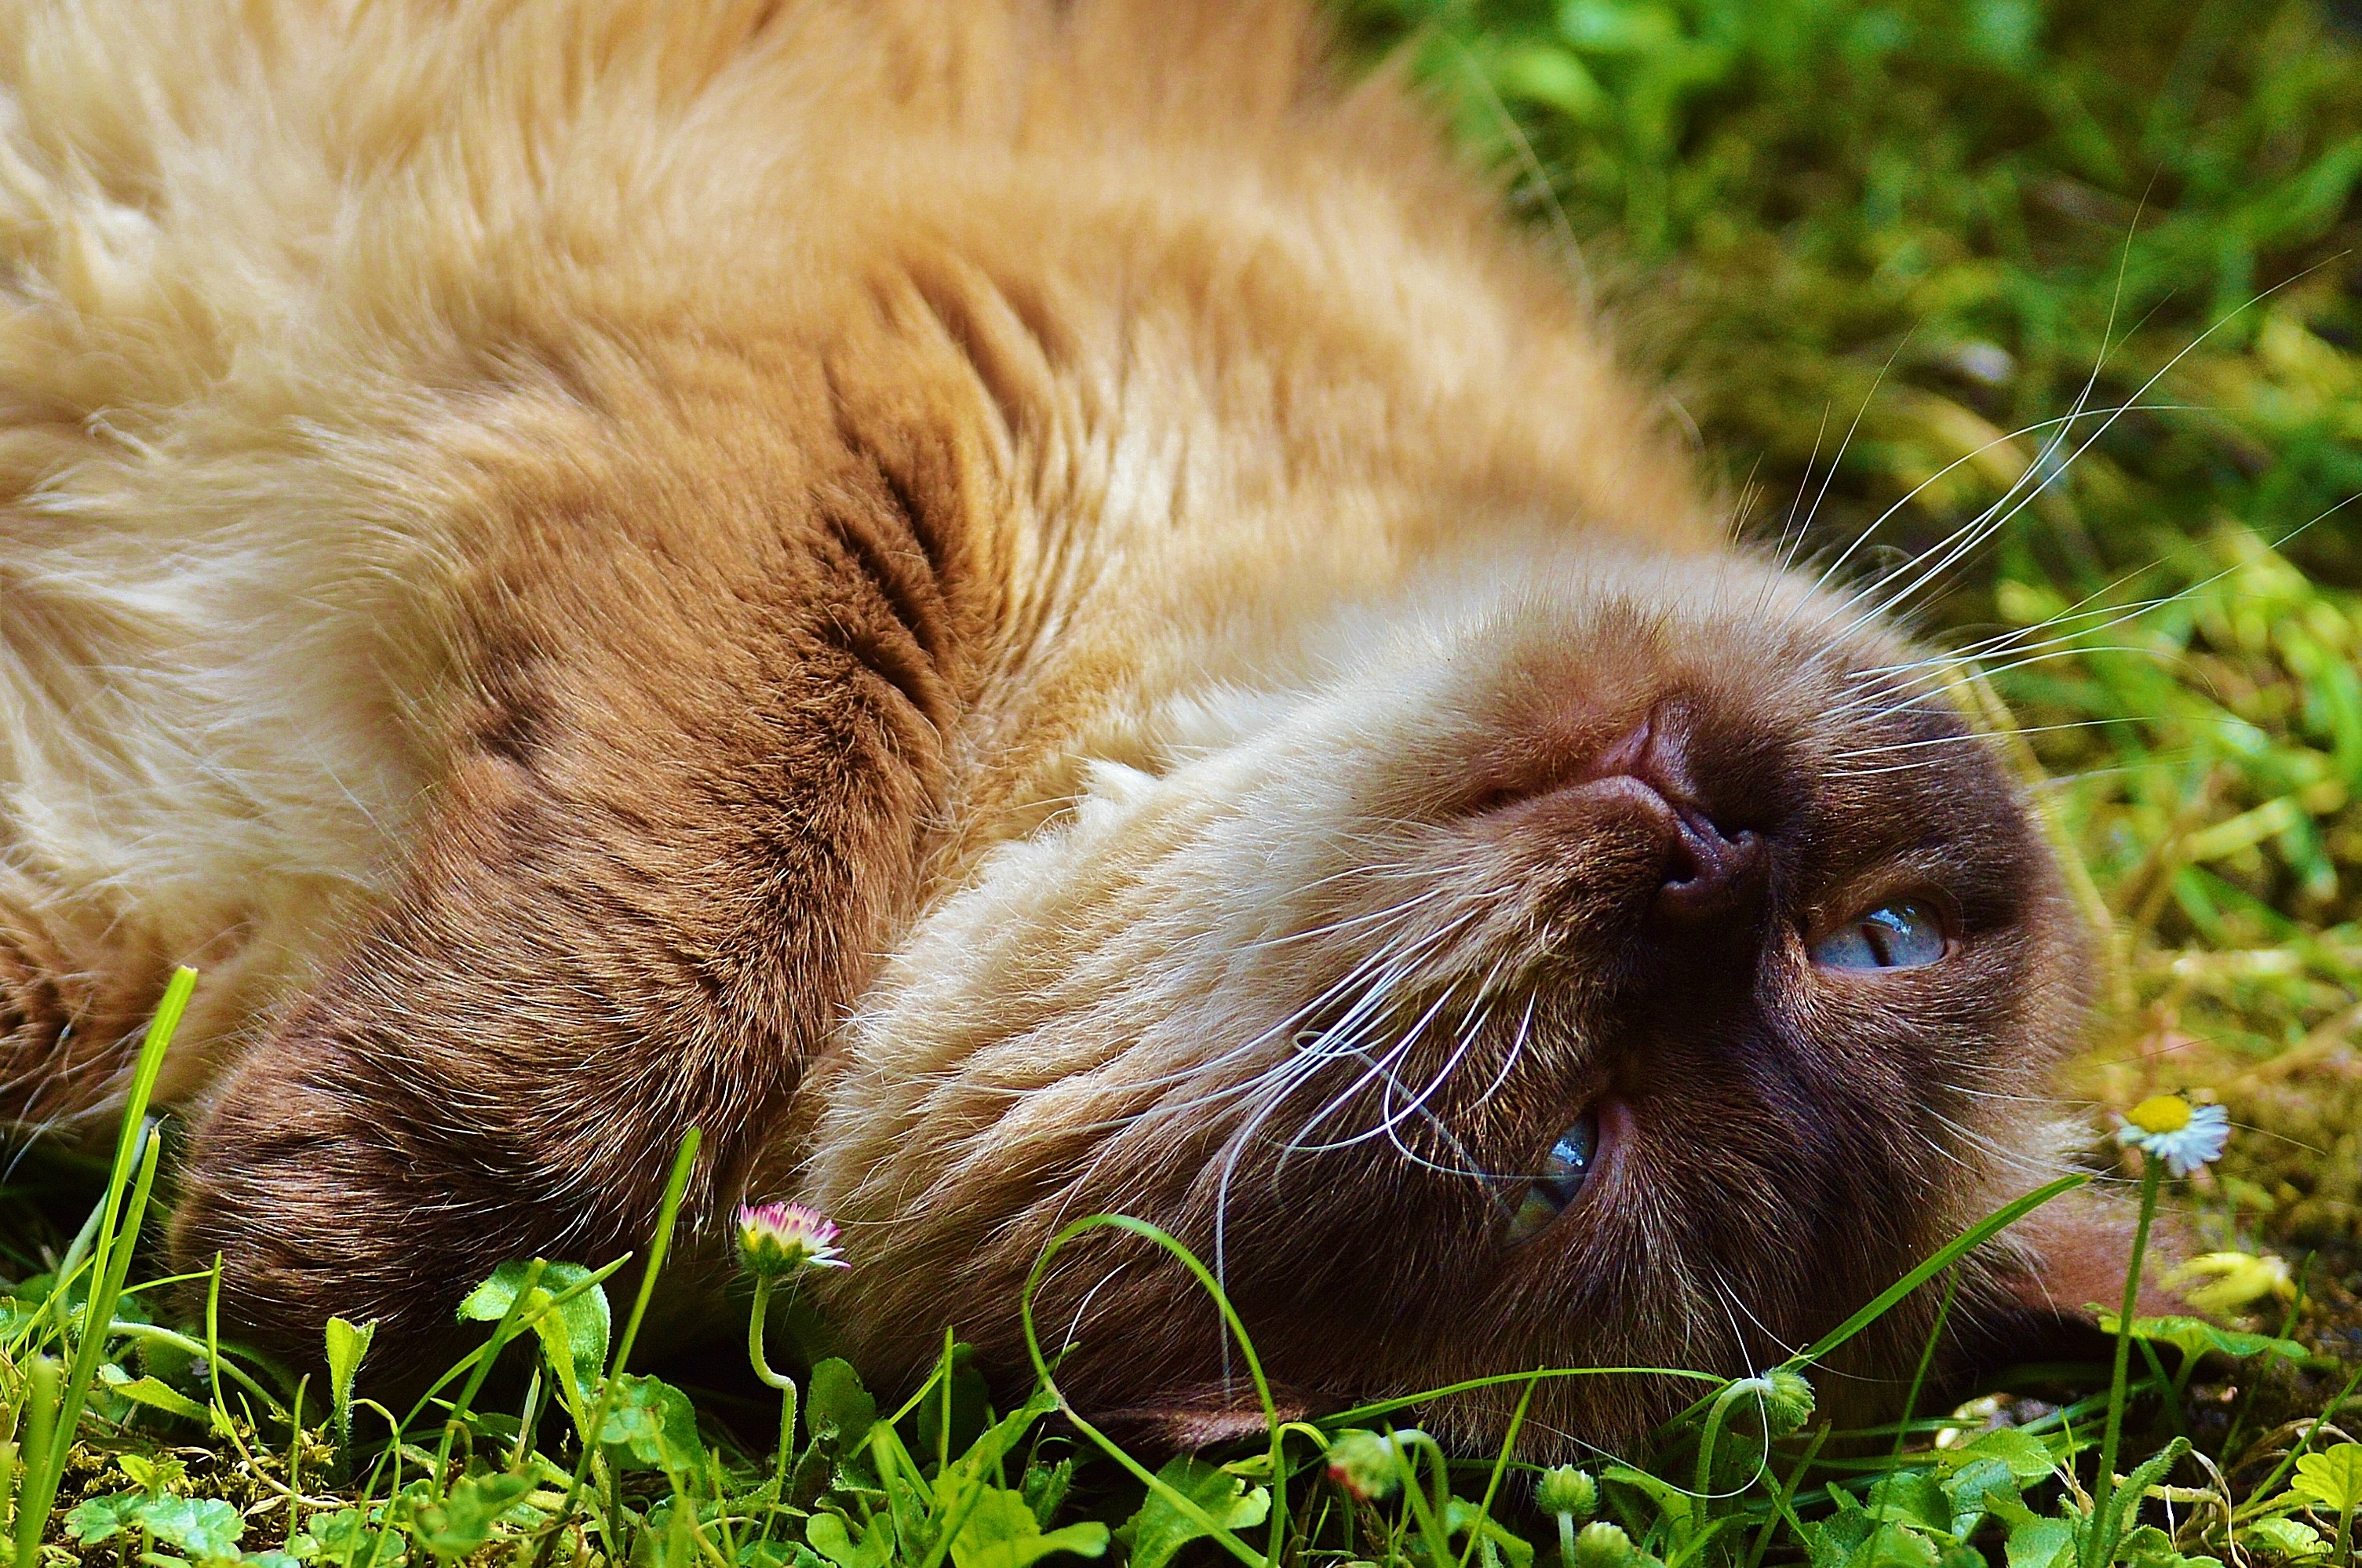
x=1884, y=253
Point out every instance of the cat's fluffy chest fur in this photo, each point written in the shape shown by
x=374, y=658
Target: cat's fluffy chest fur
x=845, y=574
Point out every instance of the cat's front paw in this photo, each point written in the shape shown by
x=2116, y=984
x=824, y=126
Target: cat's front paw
x=315, y=1211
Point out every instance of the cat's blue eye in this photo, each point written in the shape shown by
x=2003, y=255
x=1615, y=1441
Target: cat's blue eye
x=1564, y=1170
x=1905, y=935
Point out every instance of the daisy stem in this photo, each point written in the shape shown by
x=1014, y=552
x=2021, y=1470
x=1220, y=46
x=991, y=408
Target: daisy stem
x=755, y=1322
x=1731, y=1392
x=2103, y=1531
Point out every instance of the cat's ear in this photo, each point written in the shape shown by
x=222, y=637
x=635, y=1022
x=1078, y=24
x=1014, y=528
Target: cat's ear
x=2053, y=1267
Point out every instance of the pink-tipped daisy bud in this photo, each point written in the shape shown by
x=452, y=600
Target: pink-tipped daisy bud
x=1365, y=1465
x=779, y=1239
x=1787, y=1401
x=1567, y=1490
x=1604, y=1545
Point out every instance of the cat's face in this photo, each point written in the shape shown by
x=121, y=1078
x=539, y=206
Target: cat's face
x=1599, y=961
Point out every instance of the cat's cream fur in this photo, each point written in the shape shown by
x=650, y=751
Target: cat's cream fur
x=869, y=576
x=286, y=283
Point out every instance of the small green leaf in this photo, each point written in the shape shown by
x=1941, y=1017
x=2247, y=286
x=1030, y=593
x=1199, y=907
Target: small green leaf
x=653, y=1425
x=2291, y=1539
x=2126, y=1504
x=1982, y=1488
x=202, y=1527
x=1045, y=1486
x=347, y=1343
x=574, y=1338
x=1000, y=1531
x=1912, y=1497
x=462, y=1519
x=2039, y=1543
x=838, y=1411
x=1495, y=1540
x=1671, y=1500
x=1895, y=1546
x=777, y=1554
x=1159, y=1529
x=153, y=1475
x=2027, y=1456
x=828, y=1537
x=2149, y=1547
x=2195, y=1336
x=2331, y=1479
x=104, y=1519
x=348, y=1536
x=154, y=1393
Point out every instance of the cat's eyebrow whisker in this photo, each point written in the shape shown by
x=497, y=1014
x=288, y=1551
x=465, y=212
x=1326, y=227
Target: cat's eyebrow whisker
x=1792, y=531
x=2044, y=657
x=1467, y=1166
x=1886, y=595
x=1960, y=678
x=1829, y=570
x=2056, y=628
x=1837, y=459
x=1244, y=1086
x=2108, y=615
x=2069, y=642
x=1421, y=1103
x=2077, y=411
x=1970, y=736
x=1275, y=1086
x=1472, y=1025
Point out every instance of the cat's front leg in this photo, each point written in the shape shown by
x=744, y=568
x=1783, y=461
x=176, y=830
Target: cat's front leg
x=676, y=836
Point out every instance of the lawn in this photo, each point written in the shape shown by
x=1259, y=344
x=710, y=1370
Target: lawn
x=2044, y=316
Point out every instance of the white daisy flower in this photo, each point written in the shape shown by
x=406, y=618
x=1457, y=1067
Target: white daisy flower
x=2183, y=1135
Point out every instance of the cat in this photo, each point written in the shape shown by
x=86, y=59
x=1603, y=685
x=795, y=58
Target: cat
x=1016, y=610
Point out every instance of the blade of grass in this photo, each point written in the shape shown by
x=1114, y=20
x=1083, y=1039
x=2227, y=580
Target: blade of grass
x=129, y=1182
x=1180, y=1502
x=1966, y=1241
x=503, y=1332
x=40, y=1428
x=668, y=1216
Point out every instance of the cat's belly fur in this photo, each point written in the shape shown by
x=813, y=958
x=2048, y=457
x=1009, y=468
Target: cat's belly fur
x=292, y=308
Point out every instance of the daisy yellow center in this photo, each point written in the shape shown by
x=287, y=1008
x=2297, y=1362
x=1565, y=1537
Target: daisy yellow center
x=2160, y=1113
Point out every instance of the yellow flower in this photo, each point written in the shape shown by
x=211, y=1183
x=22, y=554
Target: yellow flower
x=2232, y=1280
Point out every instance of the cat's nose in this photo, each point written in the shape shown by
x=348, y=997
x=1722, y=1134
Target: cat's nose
x=1711, y=873
x=1715, y=868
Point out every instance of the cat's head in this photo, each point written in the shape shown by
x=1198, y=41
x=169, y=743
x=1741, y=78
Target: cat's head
x=1589, y=960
